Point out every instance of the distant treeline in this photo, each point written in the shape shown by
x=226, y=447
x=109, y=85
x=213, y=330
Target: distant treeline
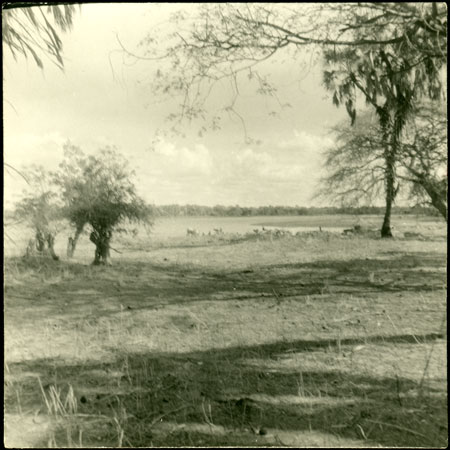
x=240, y=211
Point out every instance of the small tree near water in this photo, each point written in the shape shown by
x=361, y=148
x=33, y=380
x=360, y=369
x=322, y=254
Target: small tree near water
x=39, y=209
x=97, y=191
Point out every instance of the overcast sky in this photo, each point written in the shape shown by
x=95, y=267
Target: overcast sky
x=101, y=99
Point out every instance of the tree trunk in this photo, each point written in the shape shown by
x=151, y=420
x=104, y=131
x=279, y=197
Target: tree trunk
x=51, y=249
x=101, y=240
x=43, y=244
x=390, y=152
x=102, y=255
x=438, y=196
x=40, y=241
x=386, y=231
x=72, y=242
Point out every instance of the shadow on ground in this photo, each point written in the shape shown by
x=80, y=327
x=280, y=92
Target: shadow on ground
x=150, y=285
x=240, y=395
x=232, y=396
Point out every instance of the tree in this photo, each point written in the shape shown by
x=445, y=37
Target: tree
x=98, y=191
x=390, y=53
x=424, y=158
x=40, y=210
x=356, y=165
x=391, y=77
x=29, y=31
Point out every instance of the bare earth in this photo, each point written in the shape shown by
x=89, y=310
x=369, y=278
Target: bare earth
x=309, y=340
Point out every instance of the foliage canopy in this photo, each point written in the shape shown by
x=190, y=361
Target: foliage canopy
x=29, y=31
x=224, y=41
x=356, y=165
x=98, y=190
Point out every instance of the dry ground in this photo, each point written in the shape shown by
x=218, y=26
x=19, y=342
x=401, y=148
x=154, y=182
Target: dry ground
x=312, y=340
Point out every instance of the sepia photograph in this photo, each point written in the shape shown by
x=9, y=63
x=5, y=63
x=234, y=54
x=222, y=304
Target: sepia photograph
x=225, y=224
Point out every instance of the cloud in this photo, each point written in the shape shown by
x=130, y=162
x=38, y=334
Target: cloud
x=290, y=160
x=182, y=161
x=283, y=172
x=27, y=148
x=170, y=173
x=305, y=142
x=250, y=157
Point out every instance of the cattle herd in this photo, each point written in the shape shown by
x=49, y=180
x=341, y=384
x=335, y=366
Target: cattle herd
x=276, y=232
x=194, y=232
x=263, y=231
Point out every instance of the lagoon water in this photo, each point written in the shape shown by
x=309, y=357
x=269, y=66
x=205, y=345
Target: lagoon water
x=166, y=227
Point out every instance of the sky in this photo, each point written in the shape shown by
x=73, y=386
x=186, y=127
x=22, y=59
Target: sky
x=103, y=98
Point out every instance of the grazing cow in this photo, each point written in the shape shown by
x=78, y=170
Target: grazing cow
x=192, y=232
x=356, y=229
x=278, y=232
x=410, y=234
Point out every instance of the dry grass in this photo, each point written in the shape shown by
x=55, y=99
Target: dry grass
x=306, y=341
